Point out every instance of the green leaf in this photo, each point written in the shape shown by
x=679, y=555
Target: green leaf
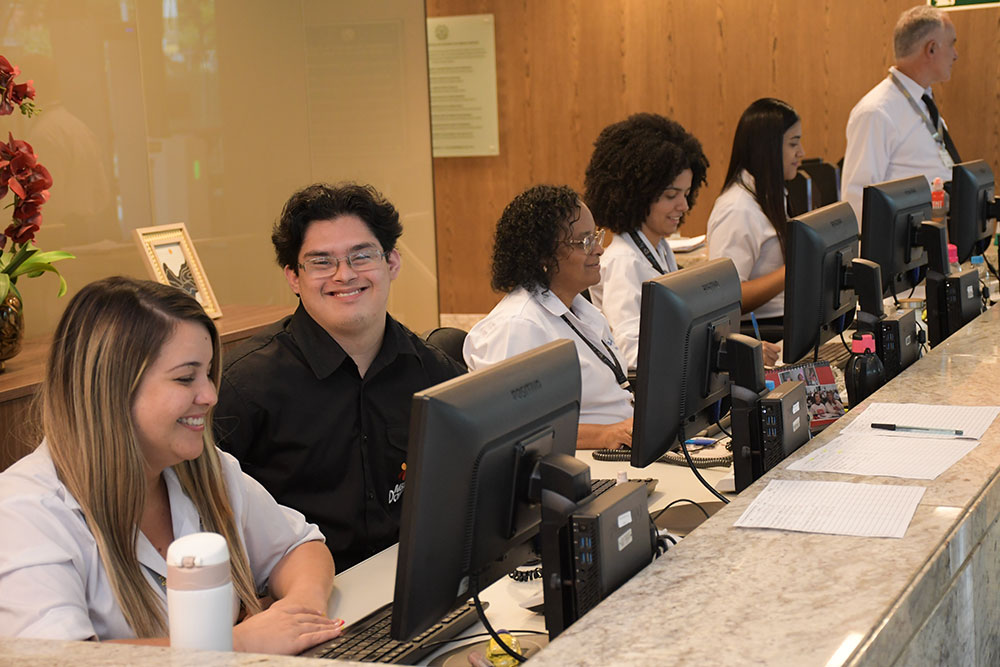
x=36, y=262
x=51, y=256
x=37, y=270
x=4, y=286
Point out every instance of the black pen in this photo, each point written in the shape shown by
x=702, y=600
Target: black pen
x=919, y=429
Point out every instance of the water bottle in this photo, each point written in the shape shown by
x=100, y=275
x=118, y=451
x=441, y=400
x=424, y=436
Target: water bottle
x=986, y=279
x=864, y=373
x=979, y=264
x=953, y=266
x=201, y=605
x=938, y=209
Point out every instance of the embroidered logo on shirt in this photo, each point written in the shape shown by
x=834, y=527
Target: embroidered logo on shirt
x=396, y=492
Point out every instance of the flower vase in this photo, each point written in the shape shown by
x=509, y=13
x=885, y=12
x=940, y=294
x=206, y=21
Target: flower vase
x=11, y=328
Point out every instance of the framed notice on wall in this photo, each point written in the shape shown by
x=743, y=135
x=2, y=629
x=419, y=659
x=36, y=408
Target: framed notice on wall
x=462, y=63
x=962, y=4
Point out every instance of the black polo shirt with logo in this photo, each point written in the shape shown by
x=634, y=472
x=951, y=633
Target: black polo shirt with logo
x=320, y=438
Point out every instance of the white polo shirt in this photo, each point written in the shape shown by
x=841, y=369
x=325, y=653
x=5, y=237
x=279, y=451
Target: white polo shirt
x=524, y=320
x=619, y=294
x=53, y=584
x=888, y=140
x=739, y=230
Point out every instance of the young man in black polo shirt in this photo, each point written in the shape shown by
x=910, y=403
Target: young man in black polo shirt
x=317, y=407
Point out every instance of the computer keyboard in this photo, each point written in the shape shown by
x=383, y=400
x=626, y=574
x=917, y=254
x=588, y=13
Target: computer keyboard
x=368, y=640
x=599, y=486
x=834, y=352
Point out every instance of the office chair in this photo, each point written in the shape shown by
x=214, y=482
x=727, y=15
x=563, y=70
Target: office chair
x=449, y=340
x=825, y=180
x=800, y=194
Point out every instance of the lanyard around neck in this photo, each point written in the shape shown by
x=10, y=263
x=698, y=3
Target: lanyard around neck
x=611, y=362
x=644, y=249
x=937, y=132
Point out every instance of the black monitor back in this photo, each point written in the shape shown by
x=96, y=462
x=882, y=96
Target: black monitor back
x=819, y=249
x=891, y=214
x=683, y=318
x=473, y=443
x=969, y=223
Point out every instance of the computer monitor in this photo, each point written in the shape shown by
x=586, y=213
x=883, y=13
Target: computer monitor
x=468, y=516
x=684, y=360
x=895, y=232
x=972, y=215
x=819, y=294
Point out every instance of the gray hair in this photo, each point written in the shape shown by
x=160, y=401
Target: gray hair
x=913, y=27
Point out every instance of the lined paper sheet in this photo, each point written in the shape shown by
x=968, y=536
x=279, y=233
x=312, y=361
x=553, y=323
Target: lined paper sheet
x=916, y=458
x=973, y=420
x=833, y=508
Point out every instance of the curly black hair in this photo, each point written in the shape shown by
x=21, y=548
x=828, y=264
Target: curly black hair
x=528, y=236
x=321, y=201
x=634, y=161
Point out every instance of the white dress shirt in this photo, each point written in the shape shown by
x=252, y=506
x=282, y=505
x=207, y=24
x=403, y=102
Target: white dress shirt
x=53, y=584
x=524, y=320
x=888, y=140
x=619, y=294
x=739, y=230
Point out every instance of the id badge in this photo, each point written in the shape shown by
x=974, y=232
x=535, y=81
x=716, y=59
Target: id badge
x=945, y=156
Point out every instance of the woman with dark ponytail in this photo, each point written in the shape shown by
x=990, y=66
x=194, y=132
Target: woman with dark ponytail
x=749, y=219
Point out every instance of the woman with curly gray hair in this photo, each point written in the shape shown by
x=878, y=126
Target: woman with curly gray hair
x=546, y=251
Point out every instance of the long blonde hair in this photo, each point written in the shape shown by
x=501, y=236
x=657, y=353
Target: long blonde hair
x=112, y=330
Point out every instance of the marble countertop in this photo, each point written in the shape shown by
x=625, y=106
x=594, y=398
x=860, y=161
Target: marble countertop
x=50, y=653
x=729, y=595
x=748, y=596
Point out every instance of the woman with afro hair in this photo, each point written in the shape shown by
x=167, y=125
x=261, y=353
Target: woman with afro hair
x=643, y=177
x=545, y=252
x=749, y=219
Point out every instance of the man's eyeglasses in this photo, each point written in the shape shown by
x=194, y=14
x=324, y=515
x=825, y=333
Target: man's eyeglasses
x=589, y=242
x=324, y=266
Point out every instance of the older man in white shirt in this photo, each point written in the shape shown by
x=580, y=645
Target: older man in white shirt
x=895, y=131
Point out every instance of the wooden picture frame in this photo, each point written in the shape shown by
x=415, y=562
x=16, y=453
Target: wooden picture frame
x=171, y=260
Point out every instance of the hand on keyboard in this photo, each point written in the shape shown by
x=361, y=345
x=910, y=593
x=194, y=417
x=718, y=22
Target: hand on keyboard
x=285, y=628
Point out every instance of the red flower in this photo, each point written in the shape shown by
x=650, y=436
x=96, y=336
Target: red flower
x=23, y=91
x=22, y=233
x=7, y=71
x=17, y=164
x=7, y=74
x=20, y=171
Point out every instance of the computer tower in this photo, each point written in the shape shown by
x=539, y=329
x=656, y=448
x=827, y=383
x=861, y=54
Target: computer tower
x=606, y=540
x=896, y=342
x=782, y=427
x=611, y=541
x=952, y=302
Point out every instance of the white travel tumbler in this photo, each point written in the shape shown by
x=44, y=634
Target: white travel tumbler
x=201, y=605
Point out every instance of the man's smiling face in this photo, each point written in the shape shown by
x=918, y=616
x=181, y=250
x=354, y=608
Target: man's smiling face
x=348, y=302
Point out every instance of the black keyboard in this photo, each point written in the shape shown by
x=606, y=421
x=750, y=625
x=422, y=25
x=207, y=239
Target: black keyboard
x=368, y=640
x=599, y=486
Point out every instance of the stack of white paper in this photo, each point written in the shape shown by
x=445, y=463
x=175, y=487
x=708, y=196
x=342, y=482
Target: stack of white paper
x=871, y=510
x=833, y=508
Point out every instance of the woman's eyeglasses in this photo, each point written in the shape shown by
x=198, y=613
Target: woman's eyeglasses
x=589, y=242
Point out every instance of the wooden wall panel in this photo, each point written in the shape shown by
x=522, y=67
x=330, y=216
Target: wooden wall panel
x=568, y=68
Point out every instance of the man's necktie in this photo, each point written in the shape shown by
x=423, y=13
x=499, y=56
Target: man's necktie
x=948, y=143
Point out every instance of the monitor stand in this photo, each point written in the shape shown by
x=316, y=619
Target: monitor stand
x=459, y=656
